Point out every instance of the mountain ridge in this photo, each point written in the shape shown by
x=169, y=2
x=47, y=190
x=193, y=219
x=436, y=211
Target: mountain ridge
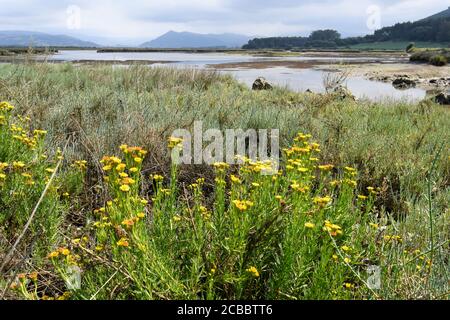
x=439, y=15
x=22, y=38
x=176, y=40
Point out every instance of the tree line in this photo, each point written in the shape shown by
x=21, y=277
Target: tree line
x=432, y=30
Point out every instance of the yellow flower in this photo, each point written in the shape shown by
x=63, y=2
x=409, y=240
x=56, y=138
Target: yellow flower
x=362, y=198
x=242, y=205
x=175, y=142
x=177, y=218
x=6, y=106
x=125, y=188
x=220, y=165
x=123, y=175
x=128, y=222
x=2, y=176
x=235, y=179
x=128, y=181
x=392, y=238
x=123, y=242
x=39, y=132
x=351, y=183
x=65, y=251
x=310, y=225
x=349, y=285
x=346, y=248
x=253, y=271
x=347, y=260
x=120, y=167
x=302, y=137
x=50, y=170
x=107, y=168
x=138, y=160
x=33, y=276
x=53, y=254
x=334, y=183
x=141, y=215
x=134, y=170
x=322, y=200
x=350, y=171
x=327, y=167
x=18, y=164
x=332, y=228
x=374, y=225
x=158, y=178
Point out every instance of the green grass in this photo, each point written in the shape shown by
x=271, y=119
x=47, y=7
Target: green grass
x=397, y=45
x=197, y=241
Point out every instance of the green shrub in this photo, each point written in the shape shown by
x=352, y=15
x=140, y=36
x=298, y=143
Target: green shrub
x=410, y=47
x=438, y=60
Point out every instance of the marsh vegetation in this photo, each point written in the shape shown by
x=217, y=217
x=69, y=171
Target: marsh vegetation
x=363, y=184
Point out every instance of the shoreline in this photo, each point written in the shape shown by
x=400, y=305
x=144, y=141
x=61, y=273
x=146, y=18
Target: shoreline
x=381, y=66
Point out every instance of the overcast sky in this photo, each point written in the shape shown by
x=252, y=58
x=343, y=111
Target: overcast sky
x=137, y=20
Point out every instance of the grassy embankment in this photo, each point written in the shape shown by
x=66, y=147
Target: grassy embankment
x=12, y=51
x=437, y=57
x=397, y=45
x=146, y=229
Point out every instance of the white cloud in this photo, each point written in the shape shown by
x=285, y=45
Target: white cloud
x=146, y=19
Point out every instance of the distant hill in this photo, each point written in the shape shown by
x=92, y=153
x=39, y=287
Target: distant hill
x=434, y=29
x=178, y=40
x=443, y=14
x=39, y=39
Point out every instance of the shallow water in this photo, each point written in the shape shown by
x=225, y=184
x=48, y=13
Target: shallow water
x=303, y=79
x=295, y=79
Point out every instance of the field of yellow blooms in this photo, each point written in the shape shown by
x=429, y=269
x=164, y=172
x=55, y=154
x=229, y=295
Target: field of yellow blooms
x=308, y=232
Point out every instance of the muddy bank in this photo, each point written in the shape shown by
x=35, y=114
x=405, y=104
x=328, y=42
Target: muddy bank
x=293, y=64
x=424, y=76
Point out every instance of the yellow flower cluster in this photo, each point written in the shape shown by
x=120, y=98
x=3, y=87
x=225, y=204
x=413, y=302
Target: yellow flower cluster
x=134, y=157
x=3, y=167
x=333, y=229
x=65, y=253
x=221, y=166
x=5, y=106
x=253, y=271
x=175, y=142
x=135, y=152
x=80, y=164
x=20, y=134
x=322, y=201
x=243, y=205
